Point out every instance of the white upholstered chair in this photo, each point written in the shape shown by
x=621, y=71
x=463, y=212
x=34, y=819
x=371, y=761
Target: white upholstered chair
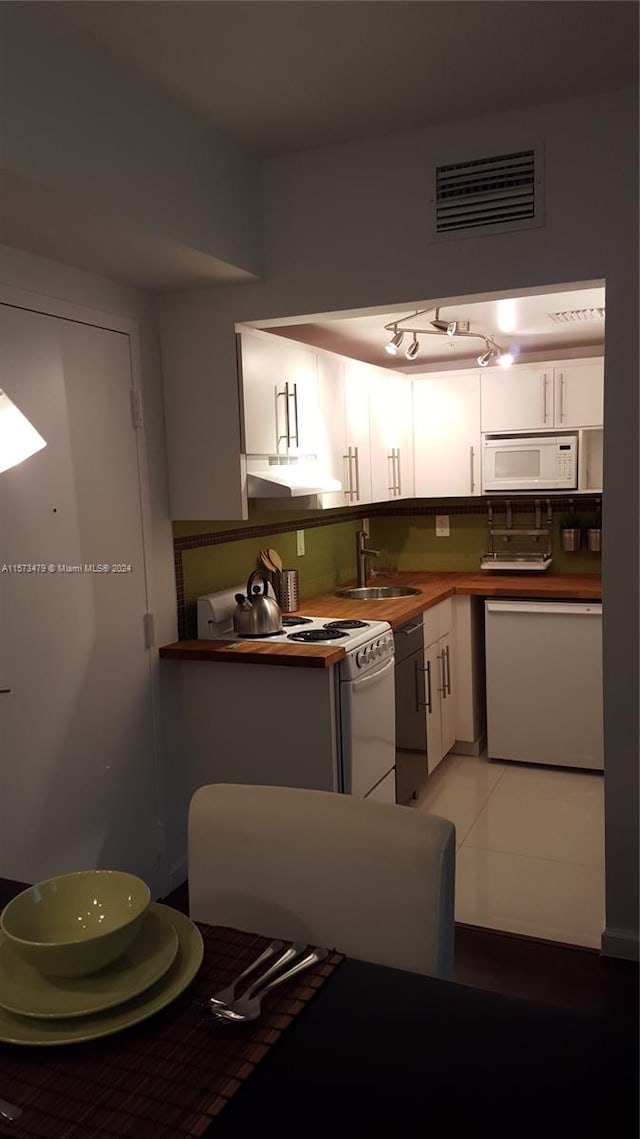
x=373, y=880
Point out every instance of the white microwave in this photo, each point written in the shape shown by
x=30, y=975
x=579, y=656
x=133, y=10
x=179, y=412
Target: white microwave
x=529, y=463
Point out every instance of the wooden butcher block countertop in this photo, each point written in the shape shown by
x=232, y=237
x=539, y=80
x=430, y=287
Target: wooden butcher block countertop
x=434, y=587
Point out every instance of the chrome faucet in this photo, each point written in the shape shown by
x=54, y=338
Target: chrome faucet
x=362, y=553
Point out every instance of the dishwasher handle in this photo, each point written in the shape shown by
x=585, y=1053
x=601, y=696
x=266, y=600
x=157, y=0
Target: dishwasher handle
x=577, y=609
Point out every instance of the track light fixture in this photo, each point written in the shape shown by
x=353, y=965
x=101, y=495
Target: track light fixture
x=438, y=327
x=413, y=349
x=395, y=342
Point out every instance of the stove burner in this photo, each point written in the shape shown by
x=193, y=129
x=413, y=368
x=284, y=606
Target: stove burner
x=317, y=635
x=289, y=621
x=347, y=624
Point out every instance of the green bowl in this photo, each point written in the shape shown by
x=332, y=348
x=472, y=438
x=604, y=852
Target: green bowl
x=75, y=924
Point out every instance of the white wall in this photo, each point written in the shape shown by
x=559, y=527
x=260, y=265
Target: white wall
x=77, y=121
x=37, y=282
x=346, y=228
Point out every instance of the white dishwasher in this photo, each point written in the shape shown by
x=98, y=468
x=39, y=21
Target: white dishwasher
x=544, y=682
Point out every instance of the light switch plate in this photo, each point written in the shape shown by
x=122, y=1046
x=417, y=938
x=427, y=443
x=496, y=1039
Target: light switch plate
x=300, y=543
x=442, y=526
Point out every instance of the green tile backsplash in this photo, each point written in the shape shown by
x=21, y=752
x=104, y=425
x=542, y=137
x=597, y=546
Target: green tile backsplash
x=406, y=539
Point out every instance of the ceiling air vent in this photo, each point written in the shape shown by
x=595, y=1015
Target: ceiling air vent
x=501, y=192
x=575, y=316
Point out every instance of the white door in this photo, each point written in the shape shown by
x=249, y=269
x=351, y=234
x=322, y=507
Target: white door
x=447, y=445
x=78, y=781
x=579, y=395
x=516, y=399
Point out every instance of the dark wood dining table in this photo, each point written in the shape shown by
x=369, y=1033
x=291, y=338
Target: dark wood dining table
x=380, y=1052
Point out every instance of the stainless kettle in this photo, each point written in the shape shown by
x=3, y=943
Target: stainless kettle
x=257, y=614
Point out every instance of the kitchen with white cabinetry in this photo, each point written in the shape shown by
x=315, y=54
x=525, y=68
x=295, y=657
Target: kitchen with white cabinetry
x=382, y=435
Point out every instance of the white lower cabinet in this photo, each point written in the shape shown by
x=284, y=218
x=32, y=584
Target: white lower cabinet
x=439, y=683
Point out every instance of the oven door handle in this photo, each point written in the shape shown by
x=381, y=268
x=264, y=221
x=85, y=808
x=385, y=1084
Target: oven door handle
x=370, y=678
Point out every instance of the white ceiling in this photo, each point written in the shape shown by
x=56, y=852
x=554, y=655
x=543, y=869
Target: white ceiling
x=363, y=336
x=284, y=75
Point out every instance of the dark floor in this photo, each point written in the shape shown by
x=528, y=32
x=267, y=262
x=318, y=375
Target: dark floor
x=522, y=967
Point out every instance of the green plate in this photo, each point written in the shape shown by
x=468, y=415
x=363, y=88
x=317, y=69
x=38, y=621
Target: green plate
x=29, y=1030
x=29, y=993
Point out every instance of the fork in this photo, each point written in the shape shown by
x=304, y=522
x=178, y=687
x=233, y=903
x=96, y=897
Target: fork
x=226, y=995
x=290, y=952
x=249, y=1006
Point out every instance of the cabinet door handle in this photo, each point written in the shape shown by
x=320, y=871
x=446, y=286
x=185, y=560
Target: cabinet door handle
x=471, y=478
x=448, y=668
x=427, y=672
x=287, y=417
x=545, y=384
x=562, y=407
x=355, y=456
x=443, y=687
x=398, y=478
x=295, y=412
x=391, y=472
x=409, y=629
x=347, y=466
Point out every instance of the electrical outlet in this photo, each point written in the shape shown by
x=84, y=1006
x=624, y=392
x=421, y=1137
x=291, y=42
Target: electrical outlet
x=300, y=543
x=442, y=526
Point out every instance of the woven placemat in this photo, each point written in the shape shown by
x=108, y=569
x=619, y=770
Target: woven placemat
x=165, y=1078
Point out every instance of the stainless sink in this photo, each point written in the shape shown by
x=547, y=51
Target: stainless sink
x=377, y=592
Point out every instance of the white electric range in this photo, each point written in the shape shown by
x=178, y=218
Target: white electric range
x=363, y=697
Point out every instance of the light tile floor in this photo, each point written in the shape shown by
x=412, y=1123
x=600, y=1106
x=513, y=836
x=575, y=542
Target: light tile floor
x=530, y=846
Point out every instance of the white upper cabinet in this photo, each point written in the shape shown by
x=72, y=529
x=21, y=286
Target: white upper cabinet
x=579, y=394
x=279, y=390
x=552, y=397
x=343, y=427
x=357, y=436
x=517, y=399
x=390, y=417
x=447, y=444
x=331, y=427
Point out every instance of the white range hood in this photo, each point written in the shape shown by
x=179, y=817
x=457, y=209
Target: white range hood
x=288, y=479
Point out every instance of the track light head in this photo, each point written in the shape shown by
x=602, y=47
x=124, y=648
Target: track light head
x=395, y=342
x=413, y=349
x=486, y=357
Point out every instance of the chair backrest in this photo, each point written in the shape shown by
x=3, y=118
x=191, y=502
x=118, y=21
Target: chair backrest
x=373, y=880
